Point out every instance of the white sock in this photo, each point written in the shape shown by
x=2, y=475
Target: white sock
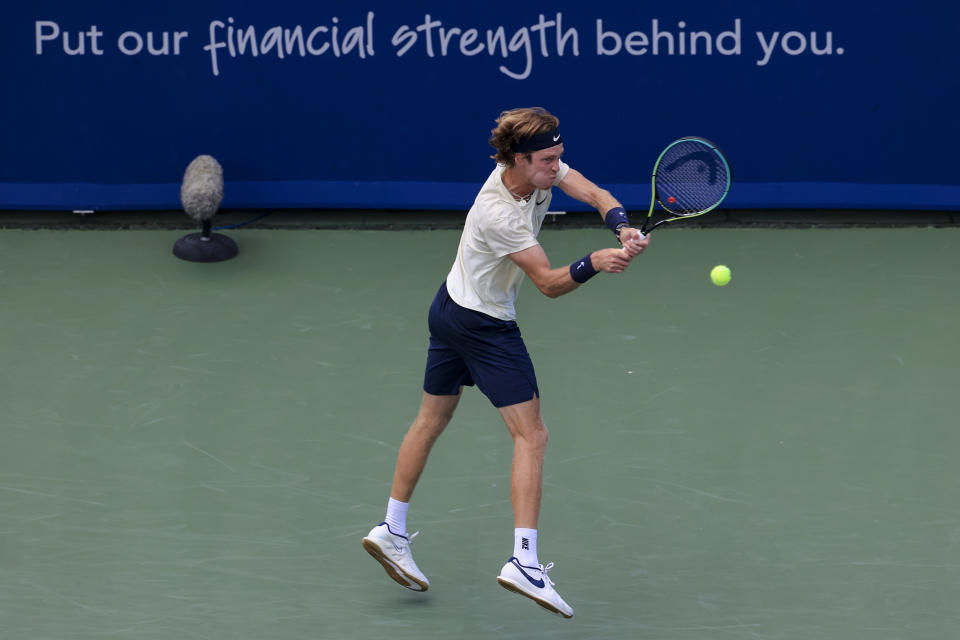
x=397, y=516
x=525, y=547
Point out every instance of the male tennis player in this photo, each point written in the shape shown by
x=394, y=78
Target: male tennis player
x=474, y=339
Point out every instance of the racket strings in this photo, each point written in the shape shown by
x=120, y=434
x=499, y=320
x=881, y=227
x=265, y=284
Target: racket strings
x=692, y=177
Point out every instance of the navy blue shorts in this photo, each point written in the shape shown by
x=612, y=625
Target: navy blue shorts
x=468, y=347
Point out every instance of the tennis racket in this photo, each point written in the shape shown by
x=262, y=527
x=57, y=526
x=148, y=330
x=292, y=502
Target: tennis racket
x=690, y=178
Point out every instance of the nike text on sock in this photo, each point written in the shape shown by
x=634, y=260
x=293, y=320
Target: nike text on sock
x=525, y=546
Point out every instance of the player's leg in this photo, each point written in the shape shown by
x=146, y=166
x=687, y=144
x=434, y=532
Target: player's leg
x=523, y=572
x=388, y=542
x=444, y=377
x=529, y=435
x=501, y=367
x=434, y=416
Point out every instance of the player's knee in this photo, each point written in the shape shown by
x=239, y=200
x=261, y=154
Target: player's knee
x=538, y=435
x=433, y=424
x=440, y=419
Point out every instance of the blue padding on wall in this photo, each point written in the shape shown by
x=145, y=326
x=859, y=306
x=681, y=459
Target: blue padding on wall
x=458, y=196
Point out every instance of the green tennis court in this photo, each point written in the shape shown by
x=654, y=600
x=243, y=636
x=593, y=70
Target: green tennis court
x=195, y=450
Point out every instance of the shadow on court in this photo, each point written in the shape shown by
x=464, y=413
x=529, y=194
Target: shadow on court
x=195, y=450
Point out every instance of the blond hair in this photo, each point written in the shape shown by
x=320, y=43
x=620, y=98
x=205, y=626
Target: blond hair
x=519, y=124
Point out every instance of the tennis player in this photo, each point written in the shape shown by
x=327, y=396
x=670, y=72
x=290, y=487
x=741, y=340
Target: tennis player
x=474, y=338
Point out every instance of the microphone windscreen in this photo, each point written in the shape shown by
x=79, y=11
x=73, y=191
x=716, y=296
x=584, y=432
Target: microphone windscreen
x=202, y=189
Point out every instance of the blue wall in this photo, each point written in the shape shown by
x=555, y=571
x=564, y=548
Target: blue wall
x=817, y=104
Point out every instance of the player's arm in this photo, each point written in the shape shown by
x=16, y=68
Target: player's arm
x=556, y=282
x=575, y=185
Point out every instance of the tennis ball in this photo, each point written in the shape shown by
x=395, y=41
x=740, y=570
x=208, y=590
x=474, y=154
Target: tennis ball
x=720, y=275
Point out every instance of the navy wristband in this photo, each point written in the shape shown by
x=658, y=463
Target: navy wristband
x=582, y=270
x=616, y=219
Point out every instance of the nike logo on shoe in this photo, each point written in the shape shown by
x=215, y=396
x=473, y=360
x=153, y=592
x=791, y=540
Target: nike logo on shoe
x=537, y=583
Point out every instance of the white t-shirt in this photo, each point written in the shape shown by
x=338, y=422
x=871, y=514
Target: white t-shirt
x=483, y=277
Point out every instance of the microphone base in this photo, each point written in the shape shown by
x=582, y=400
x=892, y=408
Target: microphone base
x=195, y=247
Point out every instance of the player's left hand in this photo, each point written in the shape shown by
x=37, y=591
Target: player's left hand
x=610, y=260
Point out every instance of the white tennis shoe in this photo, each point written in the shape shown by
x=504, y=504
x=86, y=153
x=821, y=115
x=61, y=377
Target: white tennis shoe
x=392, y=550
x=534, y=583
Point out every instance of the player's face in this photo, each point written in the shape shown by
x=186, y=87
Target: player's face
x=542, y=167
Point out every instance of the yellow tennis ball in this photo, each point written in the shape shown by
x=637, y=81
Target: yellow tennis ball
x=720, y=275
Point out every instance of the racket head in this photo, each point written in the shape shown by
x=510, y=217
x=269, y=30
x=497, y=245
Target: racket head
x=690, y=178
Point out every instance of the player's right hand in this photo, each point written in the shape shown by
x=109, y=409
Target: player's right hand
x=633, y=241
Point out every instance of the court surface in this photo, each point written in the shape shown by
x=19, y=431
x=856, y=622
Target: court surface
x=195, y=450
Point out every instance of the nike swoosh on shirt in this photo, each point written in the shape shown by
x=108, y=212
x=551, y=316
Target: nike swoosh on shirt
x=542, y=201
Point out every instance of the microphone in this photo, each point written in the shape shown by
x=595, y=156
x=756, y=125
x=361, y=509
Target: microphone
x=201, y=194
x=202, y=189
